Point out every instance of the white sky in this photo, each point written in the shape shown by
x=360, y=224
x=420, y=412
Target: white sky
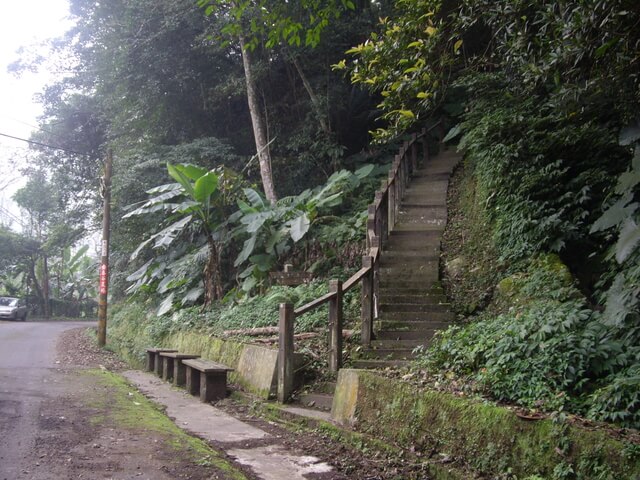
x=22, y=24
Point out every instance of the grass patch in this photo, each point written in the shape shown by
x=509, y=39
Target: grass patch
x=126, y=408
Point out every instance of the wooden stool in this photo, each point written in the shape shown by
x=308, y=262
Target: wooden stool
x=206, y=378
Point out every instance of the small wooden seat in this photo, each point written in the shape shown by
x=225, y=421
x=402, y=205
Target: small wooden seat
x=206, y=378
x=154, y=361
x=173, y=368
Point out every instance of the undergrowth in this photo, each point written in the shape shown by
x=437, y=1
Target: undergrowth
x=548, y=351
x=134, y=326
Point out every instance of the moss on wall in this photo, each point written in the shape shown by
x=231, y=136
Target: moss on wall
x=130, y=337
x=491, y=440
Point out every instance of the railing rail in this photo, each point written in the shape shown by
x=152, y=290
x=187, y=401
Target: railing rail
x=382, y=216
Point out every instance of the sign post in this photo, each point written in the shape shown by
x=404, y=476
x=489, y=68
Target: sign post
x=104, y=259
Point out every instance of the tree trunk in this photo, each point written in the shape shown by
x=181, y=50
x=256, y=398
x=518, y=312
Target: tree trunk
x=212, y=276
x=258, y=124
x=45, y=287
x=34, y=281
x=315, y=102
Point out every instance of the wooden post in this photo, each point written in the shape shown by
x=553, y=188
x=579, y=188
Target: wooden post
x=104, y=259
x=371, y=223
x=335, y=326
x=285, y=352
x=375, y=243
x=414, y=153
x=425, y=149
x=391, y=221
x=402, y=177
x=366, y=314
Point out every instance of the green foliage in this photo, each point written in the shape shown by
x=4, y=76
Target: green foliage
x=623, y=215
x=274, y=22
x=195, y=206
x=406, y=63
x=543, y=174
x=549, y=351
x=577, y=52
x=76, y=275
x=249, y=312
x=574, y=52
x=272, y=230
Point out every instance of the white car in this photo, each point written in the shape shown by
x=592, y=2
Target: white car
x=12, y=308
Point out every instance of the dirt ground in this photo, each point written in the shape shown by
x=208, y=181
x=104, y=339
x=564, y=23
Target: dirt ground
x=76, y=445
x=84, y=432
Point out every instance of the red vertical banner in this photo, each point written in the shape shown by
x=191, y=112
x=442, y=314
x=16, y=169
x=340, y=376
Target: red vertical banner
x=104, y=279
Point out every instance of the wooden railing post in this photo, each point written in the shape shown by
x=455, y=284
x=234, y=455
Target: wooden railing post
x=371, y=224
x=425, y=148
x=414, y=153
x=392, y=201
x=285, y=352
x=367, y=302
x=375, y=243
x=335, y=326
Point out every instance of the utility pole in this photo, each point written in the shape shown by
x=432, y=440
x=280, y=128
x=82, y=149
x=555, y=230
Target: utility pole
x=104, y=259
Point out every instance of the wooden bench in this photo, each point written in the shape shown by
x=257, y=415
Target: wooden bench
x=206, y=378
x=173, y=368
x=154, y=361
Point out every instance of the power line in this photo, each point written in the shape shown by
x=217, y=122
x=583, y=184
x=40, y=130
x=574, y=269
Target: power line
x=53, y=147
x=11, y=216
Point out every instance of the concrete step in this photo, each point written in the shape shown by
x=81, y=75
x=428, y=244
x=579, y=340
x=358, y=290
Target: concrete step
x=382, y=325
x=387, y=354
x=432, y=172
x=420, y=246
x=420, y=220
x=425, y=195
x=423, y=246
x=435, y=226
x=425, y=200
x=396, y=283
x=421, y=337
x=427, y=185
x=397, y=278
x=413, y=256
x=388, y=292
x=413, y=264
x=406, y=234
x=422, y=298
x=424, y=203
x=377, y=364
x=422, y=213
x=321, y=401
x=395, y=344
x=387, y=306
x=447, y=317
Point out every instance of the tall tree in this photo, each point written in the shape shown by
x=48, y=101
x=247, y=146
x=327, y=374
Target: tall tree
x=271, y=22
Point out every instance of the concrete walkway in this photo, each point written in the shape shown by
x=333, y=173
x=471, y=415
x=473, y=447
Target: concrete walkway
x=270, y=460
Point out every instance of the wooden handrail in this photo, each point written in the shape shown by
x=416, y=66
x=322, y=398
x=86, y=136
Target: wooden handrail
x=355, y=278
x=314, y=303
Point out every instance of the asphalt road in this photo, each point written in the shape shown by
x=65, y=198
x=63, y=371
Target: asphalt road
x=27, y=364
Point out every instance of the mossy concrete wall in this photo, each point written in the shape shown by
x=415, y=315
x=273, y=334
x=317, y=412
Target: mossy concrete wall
x=489, y=439
x=254, y=367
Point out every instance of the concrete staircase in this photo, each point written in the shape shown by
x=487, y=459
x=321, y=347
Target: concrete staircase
x=411, y=303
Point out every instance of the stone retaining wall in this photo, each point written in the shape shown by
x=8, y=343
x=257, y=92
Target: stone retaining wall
x=490, y=440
